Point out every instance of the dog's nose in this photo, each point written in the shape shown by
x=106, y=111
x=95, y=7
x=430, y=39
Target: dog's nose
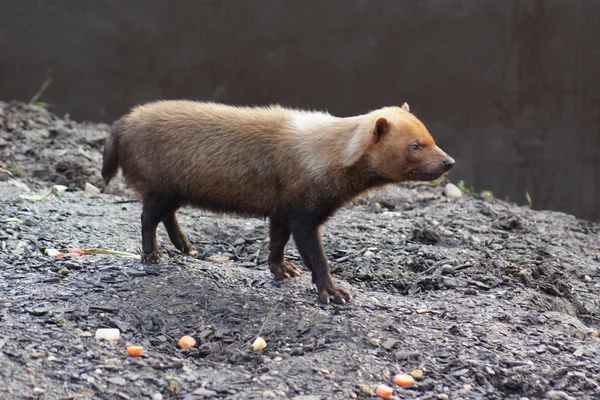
x=448, y=163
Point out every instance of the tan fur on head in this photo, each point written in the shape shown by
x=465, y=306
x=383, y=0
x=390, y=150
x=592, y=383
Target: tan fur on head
x=331, y=142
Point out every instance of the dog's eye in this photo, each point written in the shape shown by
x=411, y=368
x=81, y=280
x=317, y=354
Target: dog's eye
x=415, y=147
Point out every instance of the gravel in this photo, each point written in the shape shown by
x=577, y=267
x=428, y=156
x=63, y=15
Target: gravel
x=488, y=299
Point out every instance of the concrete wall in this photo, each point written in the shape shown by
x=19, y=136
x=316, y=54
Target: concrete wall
x=511, y=88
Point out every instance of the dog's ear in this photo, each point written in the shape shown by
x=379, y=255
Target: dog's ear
x=382, y=126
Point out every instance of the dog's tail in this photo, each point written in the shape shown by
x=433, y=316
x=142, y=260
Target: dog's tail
x=110, y=157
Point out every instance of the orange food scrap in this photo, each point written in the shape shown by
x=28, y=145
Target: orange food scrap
x=384, y=391
x=76, y=252
x=404, y=380
x=187, y=341
x=135, y=351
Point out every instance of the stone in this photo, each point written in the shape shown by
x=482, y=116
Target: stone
x=452, y=191
x=205, y=392
x=89, y=188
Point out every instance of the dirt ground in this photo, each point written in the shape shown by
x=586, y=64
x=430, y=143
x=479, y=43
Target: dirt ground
x=487, y=299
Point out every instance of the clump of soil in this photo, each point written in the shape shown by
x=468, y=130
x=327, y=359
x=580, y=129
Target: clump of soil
x=37, y=145
x=487, y=299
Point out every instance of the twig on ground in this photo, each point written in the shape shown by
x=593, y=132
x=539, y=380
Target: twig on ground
x=43, y=88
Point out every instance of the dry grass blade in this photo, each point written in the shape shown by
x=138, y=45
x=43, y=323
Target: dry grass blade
x=43, y=88
x=41, y=197
x=96, y=251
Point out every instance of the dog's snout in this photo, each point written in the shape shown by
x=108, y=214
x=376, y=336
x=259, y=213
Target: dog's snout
x=448, y=163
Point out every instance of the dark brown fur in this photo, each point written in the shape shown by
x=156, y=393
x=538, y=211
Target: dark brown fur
x=297, y=168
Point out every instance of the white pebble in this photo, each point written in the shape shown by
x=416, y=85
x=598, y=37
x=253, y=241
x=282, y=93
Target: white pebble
x=377, y=208
x=108, y=334
x=452, y=191
x=89, y=188
x=59, y=189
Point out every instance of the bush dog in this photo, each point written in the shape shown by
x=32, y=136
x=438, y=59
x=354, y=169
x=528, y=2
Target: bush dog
x=294, y=167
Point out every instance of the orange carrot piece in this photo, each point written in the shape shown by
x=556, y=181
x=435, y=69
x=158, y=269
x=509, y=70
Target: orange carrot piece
x=135, y=351
x=384, y=391
x=404, y=380
x=187, y=341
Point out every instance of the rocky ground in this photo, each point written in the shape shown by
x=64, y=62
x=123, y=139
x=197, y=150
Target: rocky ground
x=487, y=299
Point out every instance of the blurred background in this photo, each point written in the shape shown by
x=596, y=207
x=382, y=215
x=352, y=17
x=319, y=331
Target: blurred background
x=509, y=88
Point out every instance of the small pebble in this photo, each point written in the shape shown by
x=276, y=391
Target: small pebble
x=487, y=195
x=219, y=259
x=267, y=394
x=390, y=343
x=366, y=390
x=117, y=380
x=157, y=396
x=205, y=392
x=89, y=188
x=557, y=395
x=374, y=342
x=447, y=269
x=59, y=189
x=377, y=208
x=452, y=191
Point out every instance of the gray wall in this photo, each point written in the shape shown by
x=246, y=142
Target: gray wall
x=510, y=88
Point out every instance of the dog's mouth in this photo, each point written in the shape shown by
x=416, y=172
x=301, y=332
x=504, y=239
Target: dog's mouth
x=432, y=170
x=421, y=175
